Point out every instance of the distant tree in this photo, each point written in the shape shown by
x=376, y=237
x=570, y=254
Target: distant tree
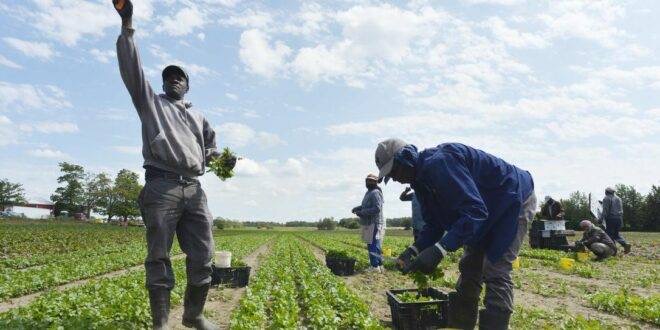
x=633, y=207
x=222, y=223
x=299, y=224
x=651, y=212
x=11, y=194
x=405, y=222
x=327, y=224
x=349, y=223
x=97, y=188
x=576, y=209
x=126, y=191
x=69, y=196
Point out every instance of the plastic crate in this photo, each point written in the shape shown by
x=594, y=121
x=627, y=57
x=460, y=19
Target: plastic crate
x=233, y=277
x=341, y=267
x=418, y=315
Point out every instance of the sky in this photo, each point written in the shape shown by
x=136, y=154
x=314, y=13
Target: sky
x=303, y=91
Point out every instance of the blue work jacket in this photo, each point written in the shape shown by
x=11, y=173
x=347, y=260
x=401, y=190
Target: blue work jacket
x=469, y=196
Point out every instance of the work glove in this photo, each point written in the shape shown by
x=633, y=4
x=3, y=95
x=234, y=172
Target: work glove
x=427, y=260
x=124, y=8
x=356, y=209
x=406, y=257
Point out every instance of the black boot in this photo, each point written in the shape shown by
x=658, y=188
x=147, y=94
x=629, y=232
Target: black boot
x=626, y=248
x=493, y=320
x=462, y=312
x=159, y=300
x=193, y=308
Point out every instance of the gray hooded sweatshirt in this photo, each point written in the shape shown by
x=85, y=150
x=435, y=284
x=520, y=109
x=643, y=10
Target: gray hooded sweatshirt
x=174, y=137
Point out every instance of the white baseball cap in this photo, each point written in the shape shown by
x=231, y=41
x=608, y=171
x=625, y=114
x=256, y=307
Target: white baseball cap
x=385, y=152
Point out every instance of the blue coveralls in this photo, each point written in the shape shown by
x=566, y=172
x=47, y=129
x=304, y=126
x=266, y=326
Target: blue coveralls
x=473, y=199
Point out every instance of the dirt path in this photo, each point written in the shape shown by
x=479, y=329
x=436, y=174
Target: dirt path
x=24, y=300
x=222, y=301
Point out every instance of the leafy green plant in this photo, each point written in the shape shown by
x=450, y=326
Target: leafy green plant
x=338, y=254
x=423, y=281
x=629, y=304
x=220, y=165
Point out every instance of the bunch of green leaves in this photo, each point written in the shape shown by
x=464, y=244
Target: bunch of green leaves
x=220, y=165
x=408, y=297
x=423, y=281
x=338, y=254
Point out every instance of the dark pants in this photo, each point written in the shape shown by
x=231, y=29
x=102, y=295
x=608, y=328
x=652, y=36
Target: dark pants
x=375, y=250
x=613, y=225
x=475, y=268
x=169, y=207
x=601, y=250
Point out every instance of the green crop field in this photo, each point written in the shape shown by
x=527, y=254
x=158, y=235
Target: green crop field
x=88, y=276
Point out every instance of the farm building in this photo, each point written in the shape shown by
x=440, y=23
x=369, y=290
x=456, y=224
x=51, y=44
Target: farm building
x=35, y=208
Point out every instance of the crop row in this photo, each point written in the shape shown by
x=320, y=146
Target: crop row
x=629, y=304
x=310, y=297
x=119, y=302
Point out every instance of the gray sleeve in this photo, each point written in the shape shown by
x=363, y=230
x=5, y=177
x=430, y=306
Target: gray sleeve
x=375, y=205
x=131, y=71
x=210, y=148
x=607, y=203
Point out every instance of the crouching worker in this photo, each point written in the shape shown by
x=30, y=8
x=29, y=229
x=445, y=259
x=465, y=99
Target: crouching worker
x=595, y=240
x=177, y=143
x=370, y=213
x=468, y=199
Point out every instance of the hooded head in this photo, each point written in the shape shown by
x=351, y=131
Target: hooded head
x=175, y=82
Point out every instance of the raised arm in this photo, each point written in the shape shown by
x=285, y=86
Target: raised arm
x=210, y=148
x=130, y=65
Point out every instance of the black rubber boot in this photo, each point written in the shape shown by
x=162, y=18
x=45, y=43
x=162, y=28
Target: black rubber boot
x=193, y=308
x=462, y=312
x=493, y=320
x=626, y=248
x=159, y=300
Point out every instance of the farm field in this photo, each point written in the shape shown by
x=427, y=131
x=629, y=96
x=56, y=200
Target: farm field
x=75, y=276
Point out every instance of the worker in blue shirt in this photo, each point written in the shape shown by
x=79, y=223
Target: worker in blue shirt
x=469, y=199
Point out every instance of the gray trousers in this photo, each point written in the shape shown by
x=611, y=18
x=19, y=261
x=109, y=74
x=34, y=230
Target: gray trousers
x=601, y=250
x=476, y=269
x=169, y=207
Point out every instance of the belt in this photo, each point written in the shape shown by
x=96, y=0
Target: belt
x=152, y=173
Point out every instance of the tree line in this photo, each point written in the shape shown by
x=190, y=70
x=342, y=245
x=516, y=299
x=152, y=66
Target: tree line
x=80, y=191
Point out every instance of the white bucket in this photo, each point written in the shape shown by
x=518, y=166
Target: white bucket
x=224, y=259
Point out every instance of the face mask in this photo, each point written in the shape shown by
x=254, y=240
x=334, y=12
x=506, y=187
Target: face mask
x=175, y=90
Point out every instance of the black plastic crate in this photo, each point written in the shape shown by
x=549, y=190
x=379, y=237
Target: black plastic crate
x=418, y=315
x=341, y=267
x=233, y=277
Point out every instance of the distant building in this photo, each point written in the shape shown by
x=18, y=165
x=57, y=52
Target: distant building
x=35, y=209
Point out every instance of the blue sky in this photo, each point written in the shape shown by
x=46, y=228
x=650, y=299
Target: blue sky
x=304, y=90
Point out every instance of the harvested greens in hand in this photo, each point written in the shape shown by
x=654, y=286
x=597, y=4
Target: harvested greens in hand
x=222, y=165
x=423, y=281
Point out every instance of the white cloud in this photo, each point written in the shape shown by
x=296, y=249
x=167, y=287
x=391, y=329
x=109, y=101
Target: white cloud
x=194, y=70
x=18, y=97
x=9, y=63
x=497, y=2
x=249, y=168
x=48, y=153
x=259, y=56
x=249, y=19
x=515, y=38
x=8, y=132
x=103, y=56
x=131, y=150
x=231, y=96
x=38, y=50
x=240, y=135
x=184, y=22
x=50, y=127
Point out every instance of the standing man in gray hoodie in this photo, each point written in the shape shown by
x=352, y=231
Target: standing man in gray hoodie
x=177, y=143
x=612, y=216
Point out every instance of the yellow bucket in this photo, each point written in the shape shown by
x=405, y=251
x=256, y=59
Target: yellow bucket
x=582, y=256
x=566, y=263
x=387, y=252
x=516, y=263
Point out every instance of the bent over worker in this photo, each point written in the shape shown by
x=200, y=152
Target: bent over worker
x=177, y=143
x=469, y=199
x=596, y=240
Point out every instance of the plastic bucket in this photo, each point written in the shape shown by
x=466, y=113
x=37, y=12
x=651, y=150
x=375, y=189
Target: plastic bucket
x=516, y=263
x=566, y=263
x=387, y=252
x=582, y=256
x=224, y=259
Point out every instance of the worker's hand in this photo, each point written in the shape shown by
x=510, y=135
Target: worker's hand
x=407, y=189
x=356, y=209
x=405, y=258
x=427, y=260
x=124, y=8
